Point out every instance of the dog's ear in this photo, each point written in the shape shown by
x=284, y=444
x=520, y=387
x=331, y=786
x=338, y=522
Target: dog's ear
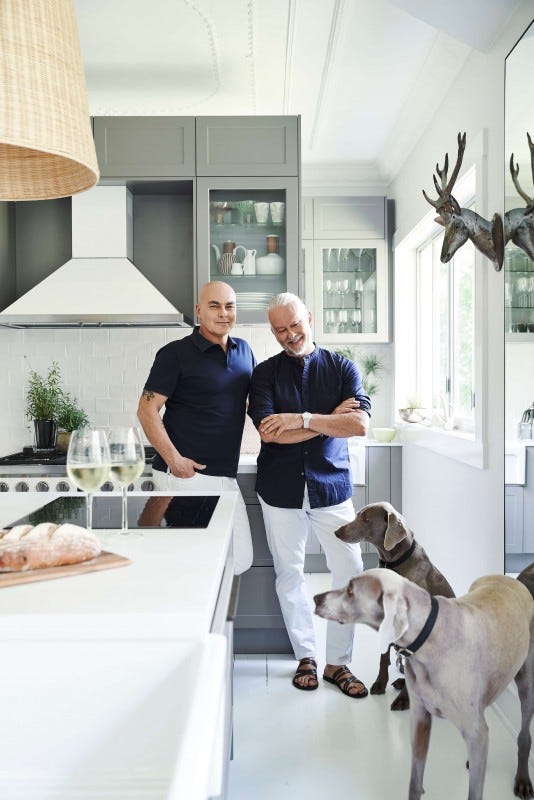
x=396, y=529
x=395, y=621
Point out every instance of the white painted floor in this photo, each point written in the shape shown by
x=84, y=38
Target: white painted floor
x=295, y=745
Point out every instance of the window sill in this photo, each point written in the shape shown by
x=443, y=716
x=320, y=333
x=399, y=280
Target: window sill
x=459, y=445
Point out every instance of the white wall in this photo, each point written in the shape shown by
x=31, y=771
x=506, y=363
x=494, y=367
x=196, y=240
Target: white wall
x=456, y=511
x=105, y=369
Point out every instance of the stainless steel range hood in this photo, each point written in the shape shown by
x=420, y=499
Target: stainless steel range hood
x=99, y=286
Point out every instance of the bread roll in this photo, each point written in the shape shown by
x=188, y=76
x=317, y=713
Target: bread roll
x=46, y=545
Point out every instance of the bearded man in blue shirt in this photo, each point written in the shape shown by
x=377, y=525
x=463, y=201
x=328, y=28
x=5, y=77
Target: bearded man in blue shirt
x=305, y=402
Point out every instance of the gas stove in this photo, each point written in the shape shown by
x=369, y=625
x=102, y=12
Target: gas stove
x=33, y=470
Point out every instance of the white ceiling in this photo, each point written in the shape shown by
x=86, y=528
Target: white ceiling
x=366, y=76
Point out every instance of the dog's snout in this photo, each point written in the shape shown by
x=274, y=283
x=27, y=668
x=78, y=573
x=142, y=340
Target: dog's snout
x=340, y=533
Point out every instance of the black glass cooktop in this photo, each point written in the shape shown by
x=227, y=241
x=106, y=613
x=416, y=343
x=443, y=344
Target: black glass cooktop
x=152, y=511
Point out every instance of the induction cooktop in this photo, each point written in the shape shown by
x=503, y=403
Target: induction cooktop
x=153, y=511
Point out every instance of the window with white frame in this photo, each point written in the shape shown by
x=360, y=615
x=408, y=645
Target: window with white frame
x=445, y=335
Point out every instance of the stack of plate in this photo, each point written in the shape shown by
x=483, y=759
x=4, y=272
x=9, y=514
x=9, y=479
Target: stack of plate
x=252, y=301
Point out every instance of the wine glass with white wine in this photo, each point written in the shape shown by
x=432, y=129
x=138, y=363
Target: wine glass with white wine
x=88, y=463
x=127, y=461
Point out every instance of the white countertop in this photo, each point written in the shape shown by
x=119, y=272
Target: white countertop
x=113, y=677
x=169, y=590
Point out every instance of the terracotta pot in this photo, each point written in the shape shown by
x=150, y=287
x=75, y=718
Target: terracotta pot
x=62, y=441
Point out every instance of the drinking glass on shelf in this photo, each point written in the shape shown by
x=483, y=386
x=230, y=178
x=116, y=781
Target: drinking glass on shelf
x=127, y=461
x=343, y=319
x=345, y=286
x=355, y=320
x=88, y=463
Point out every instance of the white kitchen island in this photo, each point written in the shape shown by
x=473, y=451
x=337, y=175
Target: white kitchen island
x=113, y=682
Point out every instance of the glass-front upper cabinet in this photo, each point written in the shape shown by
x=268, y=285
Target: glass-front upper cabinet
x=519, y=291
x=350, y=291
x=248, y=236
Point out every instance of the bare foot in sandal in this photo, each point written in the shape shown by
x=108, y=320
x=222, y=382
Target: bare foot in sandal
x=346, y=682
x=306, y=675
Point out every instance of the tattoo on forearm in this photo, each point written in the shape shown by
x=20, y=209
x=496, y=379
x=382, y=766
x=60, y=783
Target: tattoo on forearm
x=148, y=395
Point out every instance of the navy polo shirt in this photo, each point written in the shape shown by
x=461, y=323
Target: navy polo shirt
x=206, y=391
x=318, y=383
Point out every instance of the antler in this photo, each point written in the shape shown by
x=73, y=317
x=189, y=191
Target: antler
x=514, y=171
x=444, y=191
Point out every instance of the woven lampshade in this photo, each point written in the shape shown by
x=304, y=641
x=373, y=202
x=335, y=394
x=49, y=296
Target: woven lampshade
x=46, y=142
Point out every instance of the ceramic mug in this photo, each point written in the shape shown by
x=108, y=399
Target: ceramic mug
x=277, y=212
x=237, y=268
x=262, y=212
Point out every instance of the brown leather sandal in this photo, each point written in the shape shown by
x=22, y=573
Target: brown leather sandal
x=310, y=673
x=343, y=678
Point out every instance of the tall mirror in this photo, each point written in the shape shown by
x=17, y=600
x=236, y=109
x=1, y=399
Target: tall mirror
x=519, y=305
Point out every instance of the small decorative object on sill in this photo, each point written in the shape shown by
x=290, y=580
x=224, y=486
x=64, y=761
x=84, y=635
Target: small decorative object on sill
x=46, y=142
x=519, y=222
x=526, y=424
x=462, y=224
x=445, y=420
x=413, y=411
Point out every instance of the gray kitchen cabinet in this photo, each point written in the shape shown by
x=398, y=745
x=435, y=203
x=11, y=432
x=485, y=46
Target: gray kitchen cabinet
x=239, y=215
x=248, y=146
x=145, y=146
x=349, y=217
x=513, y=519
x=519, y=510
x=258, y=625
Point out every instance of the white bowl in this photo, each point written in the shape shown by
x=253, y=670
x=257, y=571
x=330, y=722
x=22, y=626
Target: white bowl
x=384, y=434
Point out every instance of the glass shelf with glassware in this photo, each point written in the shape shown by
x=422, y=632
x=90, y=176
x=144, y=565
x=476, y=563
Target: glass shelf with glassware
x=249, y=238
x=518, y=293
x=350, y=291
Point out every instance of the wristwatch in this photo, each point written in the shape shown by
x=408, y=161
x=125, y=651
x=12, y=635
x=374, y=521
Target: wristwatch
x=306, y=419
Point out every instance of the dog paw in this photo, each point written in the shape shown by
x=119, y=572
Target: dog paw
x=523, y=788
x=401, y=702
x=378, y=688
x=399, y=684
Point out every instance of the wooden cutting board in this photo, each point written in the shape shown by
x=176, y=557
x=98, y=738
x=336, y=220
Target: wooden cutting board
x=104, y=561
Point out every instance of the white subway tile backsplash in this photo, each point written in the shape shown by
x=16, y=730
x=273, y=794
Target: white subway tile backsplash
x=106, y=369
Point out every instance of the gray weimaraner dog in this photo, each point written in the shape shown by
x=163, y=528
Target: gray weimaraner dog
x=386, y=529
x=460, y=653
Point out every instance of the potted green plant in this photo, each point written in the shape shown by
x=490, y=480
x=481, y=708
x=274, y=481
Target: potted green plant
x=70, y=417
x=43, y=399
x=370, y=367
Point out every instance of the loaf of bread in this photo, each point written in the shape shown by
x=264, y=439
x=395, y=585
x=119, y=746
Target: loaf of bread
x=46, y=545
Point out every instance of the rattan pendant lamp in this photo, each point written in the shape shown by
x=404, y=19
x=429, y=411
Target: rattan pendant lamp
x=46, y=143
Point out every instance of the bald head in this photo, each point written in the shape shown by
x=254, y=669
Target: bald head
x=216, y=311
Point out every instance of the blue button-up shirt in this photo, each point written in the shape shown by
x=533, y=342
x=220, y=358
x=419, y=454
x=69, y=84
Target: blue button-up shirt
x=318, y=383
x=206, y=391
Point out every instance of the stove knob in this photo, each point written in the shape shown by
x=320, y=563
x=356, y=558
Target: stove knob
x=148, y=486
x=131, y=487
x=22, y=486
x=42, y=486
x=62, y=486
x=107, y=487
x=4, y=487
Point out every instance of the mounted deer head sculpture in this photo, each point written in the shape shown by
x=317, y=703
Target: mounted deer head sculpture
x=462, y=224
x=519, y=222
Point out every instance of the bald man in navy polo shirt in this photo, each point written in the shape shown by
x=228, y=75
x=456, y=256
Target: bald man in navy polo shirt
x=203, y=382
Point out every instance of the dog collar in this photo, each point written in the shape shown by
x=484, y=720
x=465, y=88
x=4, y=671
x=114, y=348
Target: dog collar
x=404, y=557
x=425, y=633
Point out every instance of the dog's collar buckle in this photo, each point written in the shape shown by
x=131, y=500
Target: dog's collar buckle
x=425, y=633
